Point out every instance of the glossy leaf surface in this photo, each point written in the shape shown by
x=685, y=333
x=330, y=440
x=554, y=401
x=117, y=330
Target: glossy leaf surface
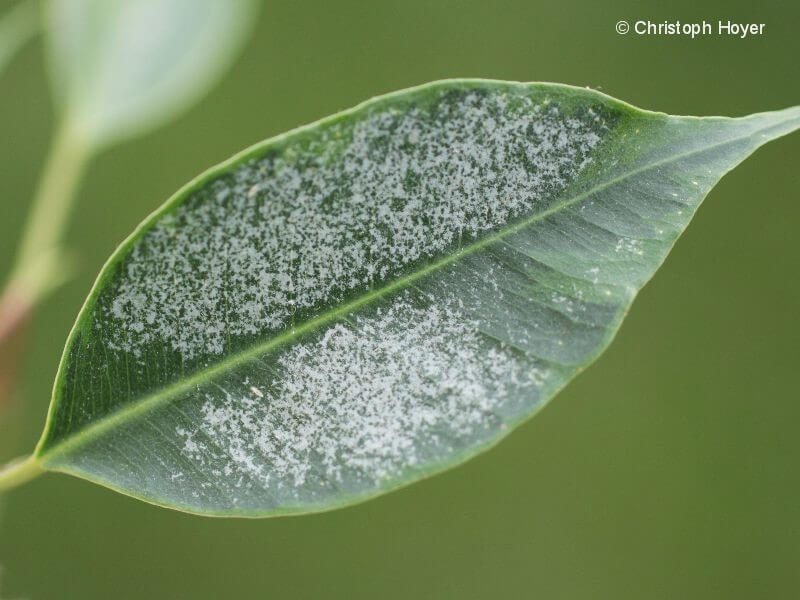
x=378, y=296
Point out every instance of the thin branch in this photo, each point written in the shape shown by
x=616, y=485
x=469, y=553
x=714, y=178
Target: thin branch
x=42, y=264
x=19, y=472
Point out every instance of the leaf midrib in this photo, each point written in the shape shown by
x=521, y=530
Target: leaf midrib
x=144, y=405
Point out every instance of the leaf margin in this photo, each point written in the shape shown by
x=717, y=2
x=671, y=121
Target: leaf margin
x=41, y=452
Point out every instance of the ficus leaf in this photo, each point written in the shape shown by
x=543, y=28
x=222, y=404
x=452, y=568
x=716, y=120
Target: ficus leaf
x=376, y=297
x=120, y=68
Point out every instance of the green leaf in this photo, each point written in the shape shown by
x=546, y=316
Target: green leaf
x=121, y=68
x=376, y=297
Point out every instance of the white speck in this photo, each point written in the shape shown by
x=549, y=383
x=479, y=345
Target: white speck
x=345, y=208
x=630, y=245
x=367, y=400
x=189, y=445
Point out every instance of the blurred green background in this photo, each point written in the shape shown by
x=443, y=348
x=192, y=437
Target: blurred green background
x=668, y=470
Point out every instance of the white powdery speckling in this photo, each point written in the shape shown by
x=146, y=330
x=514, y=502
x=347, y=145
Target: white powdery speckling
x=347, y=208
x=630, y=245
x=365, y=401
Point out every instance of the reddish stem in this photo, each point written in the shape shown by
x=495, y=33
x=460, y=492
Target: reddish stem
x=15, y=312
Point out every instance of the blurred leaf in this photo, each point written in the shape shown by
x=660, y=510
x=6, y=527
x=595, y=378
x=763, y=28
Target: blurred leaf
x=376, y=297
x=121, y=68
x=16, y=28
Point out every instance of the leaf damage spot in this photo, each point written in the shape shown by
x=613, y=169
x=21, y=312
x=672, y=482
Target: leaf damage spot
x=347, y=208
x=365, y=401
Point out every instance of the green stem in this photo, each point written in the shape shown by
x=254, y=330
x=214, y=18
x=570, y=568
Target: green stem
x=51, y=206
x=19, y=472
x=40, y=264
